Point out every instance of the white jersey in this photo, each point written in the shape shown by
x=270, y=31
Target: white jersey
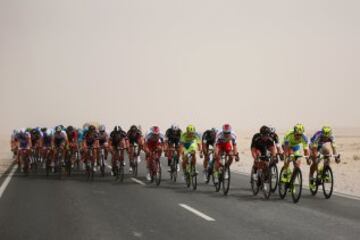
x=222, y=138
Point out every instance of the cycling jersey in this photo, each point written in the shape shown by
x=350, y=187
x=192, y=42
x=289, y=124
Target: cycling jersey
x=319, y=139
x=59, y=138
x=117, y=137
x=262, y=144
x=47, y=139
x=72, y=136
x=134, y=136
x=103, y=138
x=209, y=137
x=23, y=139
x=224, y=138
x=153, y=138
x=36, y=136
x=173, y=136
x=90, y=138
x=292, y=142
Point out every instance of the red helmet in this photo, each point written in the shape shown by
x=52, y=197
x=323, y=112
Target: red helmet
x=226, y=128
x=155, y=130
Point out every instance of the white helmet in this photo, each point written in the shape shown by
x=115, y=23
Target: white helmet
x=102, y=128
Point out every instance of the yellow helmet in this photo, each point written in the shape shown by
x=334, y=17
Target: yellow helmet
x=299, y=128
x=326, y=131
x=190, y=129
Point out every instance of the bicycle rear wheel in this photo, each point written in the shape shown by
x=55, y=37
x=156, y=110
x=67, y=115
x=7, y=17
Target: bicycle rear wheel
x=274, y=176
x=193, y=177
x=226, y=180
x=266, y=183
x=327, y=182
x=254, y=183
x=296, y=185
x=282, y=185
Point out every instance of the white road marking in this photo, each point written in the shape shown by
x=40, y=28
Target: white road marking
x=7, y=180
x=196, y=212
x=138, y=181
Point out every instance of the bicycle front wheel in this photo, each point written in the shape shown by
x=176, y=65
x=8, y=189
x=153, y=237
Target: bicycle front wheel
x=327, y=182
x=193, y=178
x=254, y=183
x=282, y=184
x=296, y=185
x=274, y=176
x=266, y=183
x=226, y=180
x=158, y=173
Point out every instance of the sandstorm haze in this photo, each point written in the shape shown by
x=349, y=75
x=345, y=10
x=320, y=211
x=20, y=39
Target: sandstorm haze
x=205, y=62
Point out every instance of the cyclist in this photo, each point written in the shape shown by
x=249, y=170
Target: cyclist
x=134, y=136
x=225, y=144
x=190, y=144
x=320, y=143
x=91, y=141
x=103, y=142
x=72, y=136
x=295, y=141
x=154, y=141
x=275, y=137
x=208, y=139
x=13, y=142
x=23, y=145
x=117, y=140
x=59, y=142
x=262, y=143
x=172, y=139
x=36, y=139
x=47, y=139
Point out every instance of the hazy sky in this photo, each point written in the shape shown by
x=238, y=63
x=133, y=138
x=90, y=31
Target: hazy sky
x=158, y=62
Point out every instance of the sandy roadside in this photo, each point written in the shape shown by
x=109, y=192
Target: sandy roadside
x=346, y=173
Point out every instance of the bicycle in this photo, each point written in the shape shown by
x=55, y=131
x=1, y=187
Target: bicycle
x=324, y=176
x=47, y=160
x=294, y=184
x=173, y=163
x=190, y=172
x=117, y=165
x=134, y=162
x=102, y=161
x=25, y=159
x=155, y=168
x=59, y=161
x=223, y=176
x=263, y=179
x=90, y=163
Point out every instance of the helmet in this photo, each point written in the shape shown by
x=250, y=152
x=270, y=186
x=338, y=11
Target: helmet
x=174, y=127
x=44, y=129
x=190, y=129
x=326, y=131
x=58, y=129
x=92, y=128
x=226, y=128
x=214, y=130
x=70, y=129
x=265, y=131
x=49, y=132
x=28, y=129
x=133, y=128
x=155, y=130
x=15, y=131
x=86, y=126
x=102, y=128
x=22, y=130
x=62, y=127
x=117, y=129
x=299, y=128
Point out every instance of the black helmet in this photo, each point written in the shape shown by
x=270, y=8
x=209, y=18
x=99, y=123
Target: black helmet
x=133, y=128
x=44, y=129
x=265, y=131
x=117, y=129
x=92, y=128
x=70, y=128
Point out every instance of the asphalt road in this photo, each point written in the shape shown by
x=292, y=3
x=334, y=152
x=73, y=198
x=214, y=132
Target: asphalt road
x=37, y=207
